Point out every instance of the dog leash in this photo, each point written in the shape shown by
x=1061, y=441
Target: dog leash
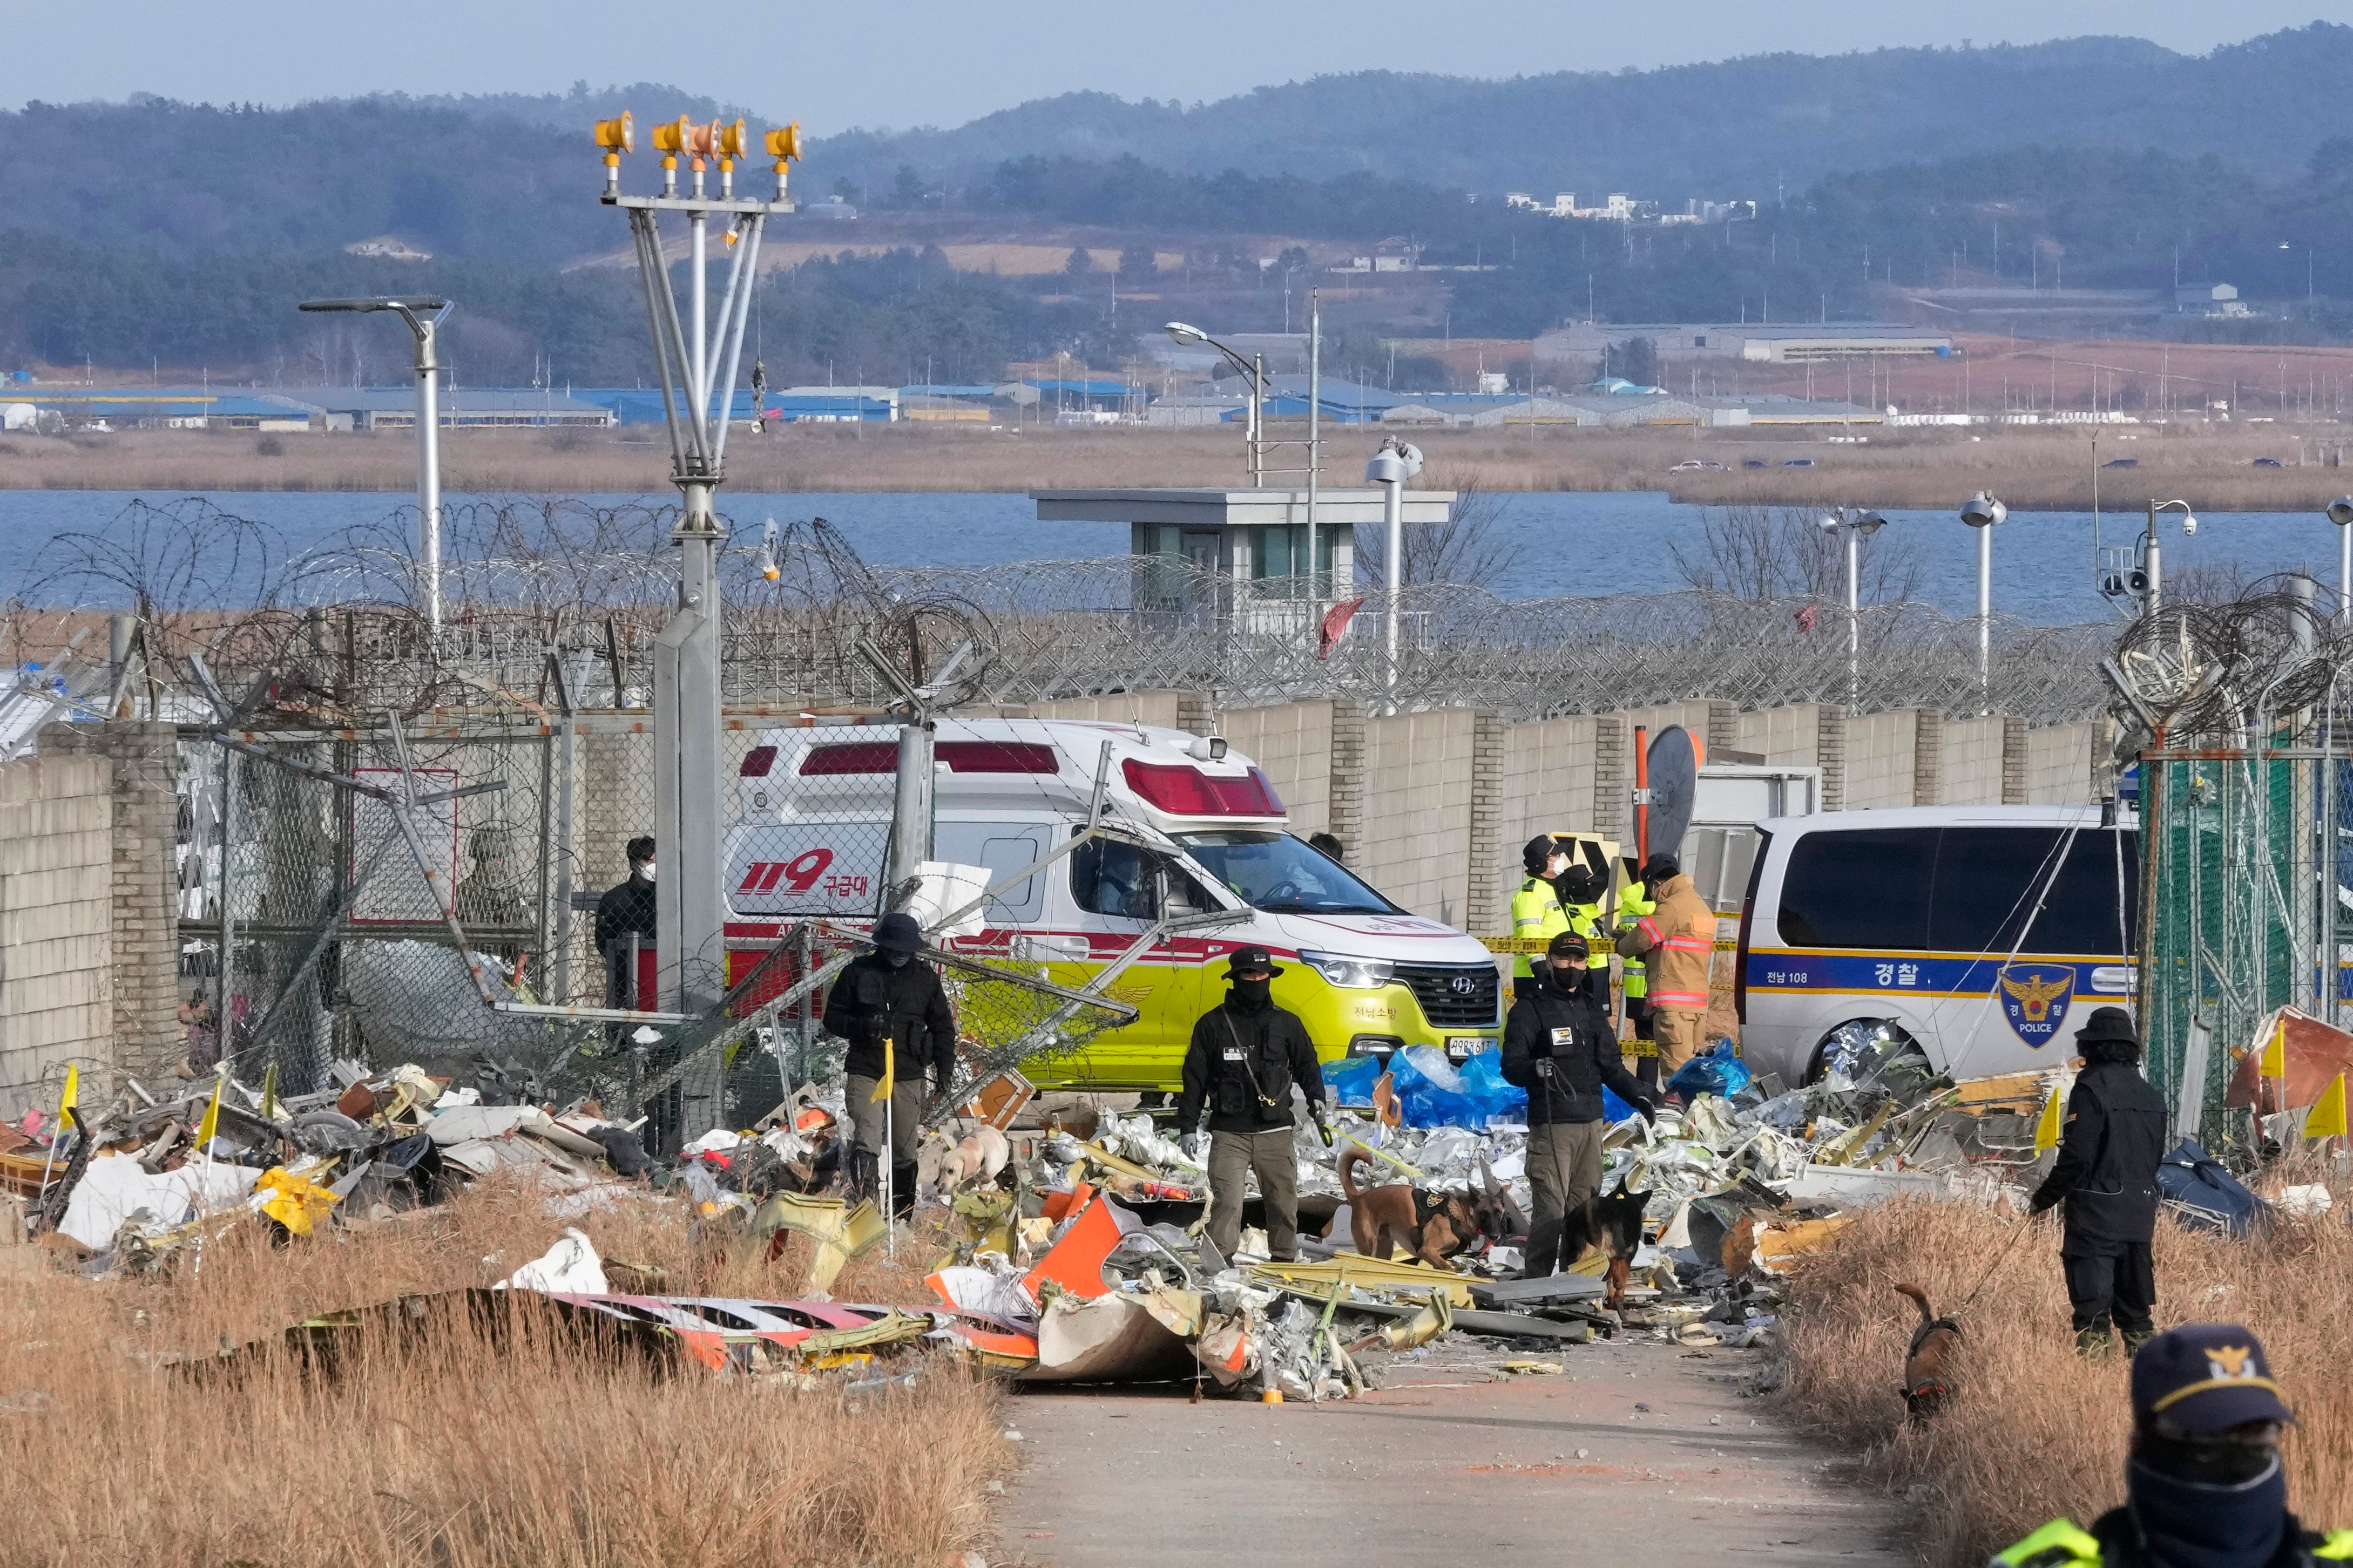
x=1999, y=1258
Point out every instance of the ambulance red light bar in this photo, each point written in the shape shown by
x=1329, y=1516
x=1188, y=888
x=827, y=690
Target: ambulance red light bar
x=961, y=756
x=1188, y=792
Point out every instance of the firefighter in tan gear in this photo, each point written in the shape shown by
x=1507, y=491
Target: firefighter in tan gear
x=1676, y=943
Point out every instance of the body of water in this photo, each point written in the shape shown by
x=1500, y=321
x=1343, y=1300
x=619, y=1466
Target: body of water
x=1549, y=543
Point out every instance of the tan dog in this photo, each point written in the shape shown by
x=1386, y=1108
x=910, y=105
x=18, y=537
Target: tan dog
x=1432, y=1226
x=980, y=1157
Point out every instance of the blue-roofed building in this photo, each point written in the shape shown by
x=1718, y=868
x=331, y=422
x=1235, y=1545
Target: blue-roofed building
x=171, y=407
x=459, y=407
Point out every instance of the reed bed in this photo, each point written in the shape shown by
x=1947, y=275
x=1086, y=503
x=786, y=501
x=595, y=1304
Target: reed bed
x=2034, y=1430
x=462, y=1447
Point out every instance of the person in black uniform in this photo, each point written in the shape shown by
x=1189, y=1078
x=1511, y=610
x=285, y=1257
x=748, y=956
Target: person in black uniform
x=1246, y=1054
x=625, y=909
x=2204, y=1487
x=1559, y=1046
x=2106, y=1175
x=887, y=995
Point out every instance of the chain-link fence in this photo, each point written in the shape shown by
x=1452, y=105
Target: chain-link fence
x=2246, y=822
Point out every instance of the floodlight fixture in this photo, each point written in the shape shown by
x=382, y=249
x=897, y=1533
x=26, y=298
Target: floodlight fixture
x=1183, y=336
x=1982, y=510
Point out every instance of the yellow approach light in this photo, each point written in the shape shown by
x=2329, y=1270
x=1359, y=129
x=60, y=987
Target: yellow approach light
x=672, y=136
x=782, y=144
x=733, y=142
x=617, y=136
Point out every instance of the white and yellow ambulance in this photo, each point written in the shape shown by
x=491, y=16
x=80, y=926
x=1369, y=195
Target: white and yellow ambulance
x=812, y=816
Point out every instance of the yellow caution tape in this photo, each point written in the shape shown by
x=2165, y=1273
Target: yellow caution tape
x=1600, y=944
x=1638, y=1048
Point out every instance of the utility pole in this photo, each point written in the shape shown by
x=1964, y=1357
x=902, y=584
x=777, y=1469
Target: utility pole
x=698, y=360
x=1315, y=442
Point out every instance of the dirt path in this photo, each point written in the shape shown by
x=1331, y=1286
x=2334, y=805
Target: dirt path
x=1440, y=1466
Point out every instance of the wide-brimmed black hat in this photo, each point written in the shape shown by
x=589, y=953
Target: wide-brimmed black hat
x=2108, y=1026
x=1247, y=958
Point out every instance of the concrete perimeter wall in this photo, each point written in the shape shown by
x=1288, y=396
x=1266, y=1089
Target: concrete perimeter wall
x=56, y=925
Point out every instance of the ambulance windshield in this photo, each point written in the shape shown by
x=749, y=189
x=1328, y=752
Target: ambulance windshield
x=1276, y=872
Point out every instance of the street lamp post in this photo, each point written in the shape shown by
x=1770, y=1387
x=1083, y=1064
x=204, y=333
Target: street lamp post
x=424, y=317
x=1254, y=369
x=1395, y=463
x=1983, y=513
x=2340, y=512
x=1856, y=526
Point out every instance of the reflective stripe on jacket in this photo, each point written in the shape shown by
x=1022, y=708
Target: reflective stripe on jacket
x=1633, y=904
x=2061, y=1544
x=1679, y=943
x=1537, y=915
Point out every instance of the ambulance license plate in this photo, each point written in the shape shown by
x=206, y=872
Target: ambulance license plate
x=1462, y=1047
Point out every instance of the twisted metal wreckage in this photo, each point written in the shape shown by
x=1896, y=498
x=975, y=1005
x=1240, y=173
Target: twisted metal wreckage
x=333, y=753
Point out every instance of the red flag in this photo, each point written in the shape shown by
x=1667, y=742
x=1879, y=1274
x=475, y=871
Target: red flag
x=1806, y=619
x=1335, y=622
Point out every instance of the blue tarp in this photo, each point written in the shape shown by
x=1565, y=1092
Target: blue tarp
x=2211, y=1196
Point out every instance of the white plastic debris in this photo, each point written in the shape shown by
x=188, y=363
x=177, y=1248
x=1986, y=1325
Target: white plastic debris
x=570, y=1267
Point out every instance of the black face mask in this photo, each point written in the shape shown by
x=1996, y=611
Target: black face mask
x=897, y=959
x=1567, y=982
x=1252, y=994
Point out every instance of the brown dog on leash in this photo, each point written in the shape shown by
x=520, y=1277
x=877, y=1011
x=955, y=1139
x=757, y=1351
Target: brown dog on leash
x=1432, y=1226
x=1927, y=1365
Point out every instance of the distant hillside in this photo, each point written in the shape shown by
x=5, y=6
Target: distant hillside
x=1739, y=127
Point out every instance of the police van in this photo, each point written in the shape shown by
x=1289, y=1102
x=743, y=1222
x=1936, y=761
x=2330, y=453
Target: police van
x=1983, y=936
x=812, y=817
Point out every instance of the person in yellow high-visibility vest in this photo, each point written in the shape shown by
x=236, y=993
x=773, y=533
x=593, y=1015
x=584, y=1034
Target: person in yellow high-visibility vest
x=1639, y=899
x=1536, y=912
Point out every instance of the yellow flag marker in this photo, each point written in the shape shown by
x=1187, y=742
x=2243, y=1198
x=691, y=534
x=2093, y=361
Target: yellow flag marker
x=71, y=1099
x=2046, y=1130
x=882, y=1089
x=211, y=1124
x=2275, y=1061
x=2327, y=1116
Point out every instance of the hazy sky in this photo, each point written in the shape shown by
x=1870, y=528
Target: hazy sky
x=906, y=62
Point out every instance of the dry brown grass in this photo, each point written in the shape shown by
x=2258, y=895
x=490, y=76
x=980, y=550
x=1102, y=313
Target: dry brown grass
x=464, y=1453
x=2047, y=468
x=2035, y=1431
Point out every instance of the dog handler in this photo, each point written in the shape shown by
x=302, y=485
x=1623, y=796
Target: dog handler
x=2203, y=1486
x=887, y=995
x=1246, y=1054
x=2106, y=1175
x=1560, y=1048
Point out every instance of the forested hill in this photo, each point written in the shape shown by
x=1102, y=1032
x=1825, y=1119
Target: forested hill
x=512, y=177
x=1733, y=128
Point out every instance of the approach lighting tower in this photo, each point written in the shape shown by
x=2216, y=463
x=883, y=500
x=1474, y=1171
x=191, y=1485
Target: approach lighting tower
x=697, y=358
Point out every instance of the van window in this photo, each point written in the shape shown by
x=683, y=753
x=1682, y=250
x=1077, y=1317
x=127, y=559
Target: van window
x=1109, y=878
x=1866, y=888
x=1985, y=877
x=2081, y=914
x=1003, y=848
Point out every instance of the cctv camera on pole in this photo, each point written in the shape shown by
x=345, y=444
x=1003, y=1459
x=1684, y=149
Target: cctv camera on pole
x=697, y=358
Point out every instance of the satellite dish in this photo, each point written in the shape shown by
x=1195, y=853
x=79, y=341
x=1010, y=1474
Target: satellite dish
x=1675, y=757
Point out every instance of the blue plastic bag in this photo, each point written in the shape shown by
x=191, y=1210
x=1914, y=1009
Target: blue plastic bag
x=1714, y=1071
x=1434, y=1092
x=1353, y=1079
x=1613, y=1109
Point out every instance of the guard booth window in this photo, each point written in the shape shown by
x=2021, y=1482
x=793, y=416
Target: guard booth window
x=1109, y=878
x=1865, y=890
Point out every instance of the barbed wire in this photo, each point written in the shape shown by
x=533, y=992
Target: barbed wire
x=337, y=628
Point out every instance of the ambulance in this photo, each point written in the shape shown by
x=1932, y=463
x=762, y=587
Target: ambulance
x=812, y=817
